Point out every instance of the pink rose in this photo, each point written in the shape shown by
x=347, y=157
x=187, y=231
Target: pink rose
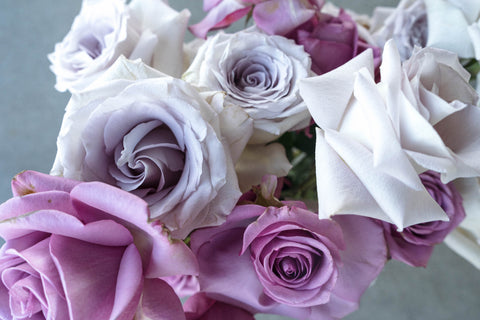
x=291, y=262
x=201, y=307
x=331, y=41
x=84, y=251
x=266, y=13
x=414, y=245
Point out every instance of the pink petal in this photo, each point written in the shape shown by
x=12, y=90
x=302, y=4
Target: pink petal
x=129, y=285
x=31, y=181
x=153, y=242
x=89, y=275
x=222, y=15
x=364, y=256
x=159, y=301
x=105, y=232
x=295, y=216
x=25, y=205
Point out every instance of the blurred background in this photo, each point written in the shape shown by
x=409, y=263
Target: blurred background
x=32, y=111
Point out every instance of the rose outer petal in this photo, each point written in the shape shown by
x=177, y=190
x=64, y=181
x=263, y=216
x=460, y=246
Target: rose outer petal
x=155, y=245
x=31, y=181
x=86, y=268
x=159, y=301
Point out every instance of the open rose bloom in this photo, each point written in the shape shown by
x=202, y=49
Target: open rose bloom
x=85, y=251
x=157, y=137
x=106, y=29
x=369, y=140
x=287, y=261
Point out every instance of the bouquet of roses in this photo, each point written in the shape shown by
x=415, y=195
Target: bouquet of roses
x=275, y=169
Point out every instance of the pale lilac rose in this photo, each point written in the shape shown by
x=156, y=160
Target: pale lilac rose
x=259, y=73
x=444, y=24
x=406, y=24
x=266, y=13
x=414, y=245
x=201, y=307
x=465, y=240
x=84, y=251
x=331, y=40
x=157, y=137
x=106, y=29
x=369, y=141
x=291, y=263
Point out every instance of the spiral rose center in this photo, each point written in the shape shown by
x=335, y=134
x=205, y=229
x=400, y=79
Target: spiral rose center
x=149, y=161
x=419, y=31
x=289, y=268
x=93, y=40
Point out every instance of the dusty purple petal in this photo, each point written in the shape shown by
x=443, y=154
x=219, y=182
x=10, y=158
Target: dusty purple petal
x=296, y=216
x=363, y=259
x=200, y=307
x=26, y=297
x=155, y=246
x=31, y=181
x=184, y=285
x=129, y=285
x=24, y=205
x=104, y=232
x=38, y=258
x=406, y=252
x=159, y=301
x=86, y=268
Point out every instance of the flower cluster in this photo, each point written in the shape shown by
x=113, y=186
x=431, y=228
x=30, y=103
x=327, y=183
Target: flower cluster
x=186, y=170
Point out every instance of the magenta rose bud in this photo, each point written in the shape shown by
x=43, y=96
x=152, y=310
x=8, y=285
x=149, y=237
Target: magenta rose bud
x=414, y=245
x=331, y=41
x=287, y=261
x=84, y=251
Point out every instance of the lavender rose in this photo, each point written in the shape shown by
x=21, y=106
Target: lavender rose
x=414, y=245
x=84, y=251
x=291, y=262
x=259, y=73
x=159, y=139
x=106, y=29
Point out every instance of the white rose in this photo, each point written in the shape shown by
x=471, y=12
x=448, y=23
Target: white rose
x=157, y=137
x=106, y=29
x=259, y=73
x=377, y=137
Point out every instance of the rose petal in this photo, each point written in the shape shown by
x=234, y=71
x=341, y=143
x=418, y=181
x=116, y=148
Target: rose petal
x=159, y=301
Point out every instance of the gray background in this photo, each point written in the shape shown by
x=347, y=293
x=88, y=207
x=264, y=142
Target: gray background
x=449, y=288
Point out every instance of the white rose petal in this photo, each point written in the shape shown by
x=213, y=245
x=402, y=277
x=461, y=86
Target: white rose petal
x=377, y=137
